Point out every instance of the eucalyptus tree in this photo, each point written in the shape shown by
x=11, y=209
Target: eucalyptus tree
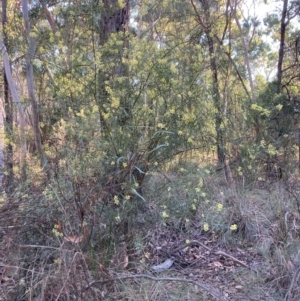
x=30, y=84
x=290, y=10
x=281, y=26
x=8, y=109
x=11, y=95
x=207, y=13
x=245, y=37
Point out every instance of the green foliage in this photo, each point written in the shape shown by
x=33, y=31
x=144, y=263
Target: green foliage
x=119, y=119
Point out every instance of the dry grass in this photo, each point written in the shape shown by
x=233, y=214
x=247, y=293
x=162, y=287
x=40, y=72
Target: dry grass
x=35, y=264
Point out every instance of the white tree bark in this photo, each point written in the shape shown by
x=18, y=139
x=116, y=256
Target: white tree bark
x=17, y=101
x=245, y=43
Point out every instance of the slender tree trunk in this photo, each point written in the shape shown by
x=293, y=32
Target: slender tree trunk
x=30, y=85
x=283, y=25
x=217, y=99
x=245, y=43
x=8, y=122
x=206, y=24
x=49, y=16
x=16, y=99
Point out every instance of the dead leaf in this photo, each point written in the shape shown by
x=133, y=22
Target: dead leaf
x=290, y=266
x=126, y=261
x=239, y=287
x=231, y=290
x=79, y=238
x=4, y=279
x=59, y=226
x=217, y=264
x=74, y=239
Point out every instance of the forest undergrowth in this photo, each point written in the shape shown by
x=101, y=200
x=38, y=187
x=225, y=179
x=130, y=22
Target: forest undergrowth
x=226, y=243
x=110, y=113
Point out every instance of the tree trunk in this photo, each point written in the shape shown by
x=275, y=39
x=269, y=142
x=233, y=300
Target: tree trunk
x=16, y=99
x=206, y=24
x=49, y=16
x=283, y=25
x=114, y=20
x=245, y=43
x=8, y=122
x=30, y=86
x=217, y=99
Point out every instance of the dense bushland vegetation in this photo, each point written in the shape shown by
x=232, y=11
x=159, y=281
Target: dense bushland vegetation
x=139, y=131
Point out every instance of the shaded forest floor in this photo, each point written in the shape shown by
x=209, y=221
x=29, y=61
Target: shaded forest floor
x=237, y=243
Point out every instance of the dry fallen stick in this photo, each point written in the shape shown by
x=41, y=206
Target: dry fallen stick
x=196, y=242
x=232, y=258
x=217, y=295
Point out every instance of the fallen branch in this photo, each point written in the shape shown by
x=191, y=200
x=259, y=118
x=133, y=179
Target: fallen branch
x=232, y=258
x=216, y=294
x=196, y=242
